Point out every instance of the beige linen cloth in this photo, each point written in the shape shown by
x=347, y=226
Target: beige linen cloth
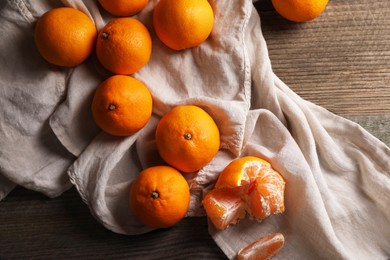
x=337, y=174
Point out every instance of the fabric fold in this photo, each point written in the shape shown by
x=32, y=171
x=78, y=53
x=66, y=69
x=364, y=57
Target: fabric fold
x=337, y=174
x=102, y=177
x=30, y=155
x=214, y=76
x=72, y=121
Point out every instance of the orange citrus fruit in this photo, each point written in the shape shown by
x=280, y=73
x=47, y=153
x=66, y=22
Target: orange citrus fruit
x=65, y=36
x=268, y=189
x=124, y=46
x=263, y=248
x=250, y=183
x=187, y=138
x=159, y=197
x=122, y=105
x=182, y=24
x=123, y=7
x=241, y=171
x=299, y=10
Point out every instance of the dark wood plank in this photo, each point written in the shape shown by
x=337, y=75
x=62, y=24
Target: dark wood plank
x=340, y=60
x=34, y=226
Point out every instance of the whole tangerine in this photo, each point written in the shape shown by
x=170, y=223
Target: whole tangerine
x=187, y=138
x=159, y=197
x=65, y=36
x=182, y=24
x=122, y=105
x=123, y=7
x=300, y=10
x=124, y=46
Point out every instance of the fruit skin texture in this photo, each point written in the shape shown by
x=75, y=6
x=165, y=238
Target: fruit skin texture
x=159, y=197
x=187, y=138
x=182, y=24
x=299, y=10
x=124, y=46
x=65, y=36
x=246, y=186
x=122, y=105
x=263, y=248
x=123, y=7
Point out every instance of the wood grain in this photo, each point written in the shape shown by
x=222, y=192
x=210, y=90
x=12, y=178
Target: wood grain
x=33, y=226
x=339, y=61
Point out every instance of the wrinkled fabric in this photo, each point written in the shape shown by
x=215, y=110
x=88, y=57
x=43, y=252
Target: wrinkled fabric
x=178, y=78
x=30, y=154
x=337, y=174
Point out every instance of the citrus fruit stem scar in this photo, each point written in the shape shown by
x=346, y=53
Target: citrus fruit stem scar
x=105, y=36
x=111, y=107
x=187, y=136
x=155, y=195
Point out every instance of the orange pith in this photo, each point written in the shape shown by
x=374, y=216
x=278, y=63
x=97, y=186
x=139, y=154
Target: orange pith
x=247, y=183
x=266, y=194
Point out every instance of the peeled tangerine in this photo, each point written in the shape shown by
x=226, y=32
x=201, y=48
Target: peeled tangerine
x=247, y=186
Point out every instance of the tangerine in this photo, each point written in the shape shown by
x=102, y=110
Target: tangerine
x=124, y=46
x=250, y=183
x=299, y=10
x=123, y=7
x=122, y=105
x=182, y=24
x=187, y=138
x=241, y=171
x=159, y=197
x=65, y=36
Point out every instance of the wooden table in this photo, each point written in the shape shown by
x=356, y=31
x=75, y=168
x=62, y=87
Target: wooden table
x=340, y=61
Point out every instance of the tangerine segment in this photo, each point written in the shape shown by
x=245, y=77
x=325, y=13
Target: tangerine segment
x=187, y=138
x=224, y=207
x=265, y=195
x=159, y=197
x=241, y=171
x=263, y=248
